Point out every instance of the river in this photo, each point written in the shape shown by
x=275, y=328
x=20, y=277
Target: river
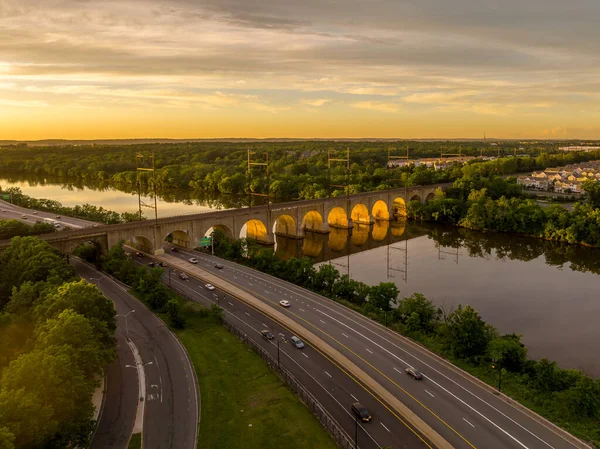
x=545, y=291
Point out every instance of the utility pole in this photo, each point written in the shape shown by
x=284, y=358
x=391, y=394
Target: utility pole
x=139, y=163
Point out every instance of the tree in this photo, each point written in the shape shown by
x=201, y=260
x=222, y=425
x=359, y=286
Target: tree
x=383, y=296
x=174, y=312
x=325, y=279
x=7, y=438
x=468, y=335
x=508, y=352
x=592, y=190
x=417, y=312
x=584, y=398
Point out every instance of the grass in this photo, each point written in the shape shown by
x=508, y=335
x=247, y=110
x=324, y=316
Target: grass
x=135, y=442
x=244, y=405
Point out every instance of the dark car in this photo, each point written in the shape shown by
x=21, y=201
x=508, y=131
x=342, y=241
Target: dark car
x=162, y=264
x=361, y=411
x=219, y=266
x=183, y=276
x=174, y=249
x=415, y=373
x=151, y=264
x=137, y=253
x=267, y=334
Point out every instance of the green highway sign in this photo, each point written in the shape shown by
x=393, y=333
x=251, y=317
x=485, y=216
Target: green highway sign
x=6, y=196
x=205, y=241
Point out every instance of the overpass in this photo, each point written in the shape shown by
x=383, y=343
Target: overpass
x=262, y=223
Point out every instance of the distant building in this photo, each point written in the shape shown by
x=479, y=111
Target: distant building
x=584, y=148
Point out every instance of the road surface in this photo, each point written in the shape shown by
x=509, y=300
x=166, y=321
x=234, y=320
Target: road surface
x=464, y=412
x=10, y=211
x=170, y=419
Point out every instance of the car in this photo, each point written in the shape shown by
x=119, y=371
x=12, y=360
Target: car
x=24, y=217
x=162, y=264
x=183, y=276
x=267, y=334
x=57, y=225
x=137, y=253
x=192, y=260
x=414, y=373
x=58, y=216
x=34, y=212
x=209, y=286
x=174, y=249
x=151, y=264
x=361, y=411
x=296, y=342
x=219, y=266
x=284, y=303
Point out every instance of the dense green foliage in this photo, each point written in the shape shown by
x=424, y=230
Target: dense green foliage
x=567, y=397
x=57, y=334
x=298, y=170
x=12, y=228
x=495, y=205
x=87, y=211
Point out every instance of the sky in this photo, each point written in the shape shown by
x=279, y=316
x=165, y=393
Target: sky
x=78, y=69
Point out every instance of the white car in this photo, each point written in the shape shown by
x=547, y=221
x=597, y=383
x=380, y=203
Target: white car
x=284, y=303
x=210, y=286
x=192, y=260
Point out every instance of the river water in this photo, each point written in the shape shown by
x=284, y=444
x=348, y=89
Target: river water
x=547, y=292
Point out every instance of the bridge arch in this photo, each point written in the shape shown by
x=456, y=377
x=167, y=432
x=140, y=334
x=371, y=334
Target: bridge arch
x=255, y=230
x=429, y=197
x=380, y=230
x=312, y=221
x=285, y=225
x=380, y=210
x=416, y=198
x=142, y=243
x=220, y=227
x=360, y=214
x=399, y=207
x=180, y=237
x=337, y=218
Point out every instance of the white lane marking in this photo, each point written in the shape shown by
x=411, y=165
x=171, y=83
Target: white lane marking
x=345, y=335
x=235, y=277
x=230, y=303
x=250, y=284
x=304, y=355
x=264, y=325
x=322, y=321
x=430, y=379
x=396, y=369
x=469, y=423
x=369, y=350
x=383, y=425
x=354, y=397
x=429, y=394
x=302, y=310
x=247, y=313
x=328, y=374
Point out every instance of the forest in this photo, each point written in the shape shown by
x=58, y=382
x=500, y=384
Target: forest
x=57, y=335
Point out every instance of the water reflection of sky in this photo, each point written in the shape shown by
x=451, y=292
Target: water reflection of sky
x=556, y=310
x=109, y=199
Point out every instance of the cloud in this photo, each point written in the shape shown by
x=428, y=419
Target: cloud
x=316, y=102
x=376, y=106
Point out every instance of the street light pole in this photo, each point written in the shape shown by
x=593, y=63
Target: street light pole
x=126, y=322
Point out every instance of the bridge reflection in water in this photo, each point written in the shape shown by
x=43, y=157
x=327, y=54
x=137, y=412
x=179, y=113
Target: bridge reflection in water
x=341, y=242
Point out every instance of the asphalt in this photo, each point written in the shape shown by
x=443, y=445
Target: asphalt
x=171, y=415
x=10, y=211
x=334, y=389
x=461, y=409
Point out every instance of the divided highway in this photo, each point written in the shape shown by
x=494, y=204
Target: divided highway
x=328, y=383
x=10, y=211
x=464, y=412
x=170, y=407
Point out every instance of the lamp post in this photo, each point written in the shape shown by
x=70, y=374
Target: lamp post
x=279, y=340
x=126, y=322
x=500, y=370
x=385, y=315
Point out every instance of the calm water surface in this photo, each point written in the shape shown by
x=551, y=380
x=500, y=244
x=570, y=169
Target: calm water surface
x=548, y=292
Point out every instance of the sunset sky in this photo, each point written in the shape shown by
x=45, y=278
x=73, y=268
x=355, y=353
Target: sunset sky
x=299, y=68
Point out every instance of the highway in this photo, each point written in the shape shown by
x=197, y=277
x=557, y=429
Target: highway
x=10, y=211
x=464, y=412
x=170, y=407
x=332, y=386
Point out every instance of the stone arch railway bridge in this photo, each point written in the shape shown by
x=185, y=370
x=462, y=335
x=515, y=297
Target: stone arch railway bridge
x=262, y=223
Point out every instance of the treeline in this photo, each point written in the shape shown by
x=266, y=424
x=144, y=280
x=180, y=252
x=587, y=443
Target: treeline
x=568, y=397
x=12, y=228
x=85, y=211
x=496, y=204
x=57, y=334
x=298, y=170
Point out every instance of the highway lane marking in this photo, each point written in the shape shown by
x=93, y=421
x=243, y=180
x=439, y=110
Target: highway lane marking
x=250, y=284
x=469, y=423
x=369, y=350
x=345, y=335
x=399, y=418
x=322, y=321
x=385, y=427
x=354, y=397
x=396, y=369
x=264, y=325
x=302, y=310
x=429, y=394
x=247, y=313
x=230, y=303
x=304, y=355
x=328, y=374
